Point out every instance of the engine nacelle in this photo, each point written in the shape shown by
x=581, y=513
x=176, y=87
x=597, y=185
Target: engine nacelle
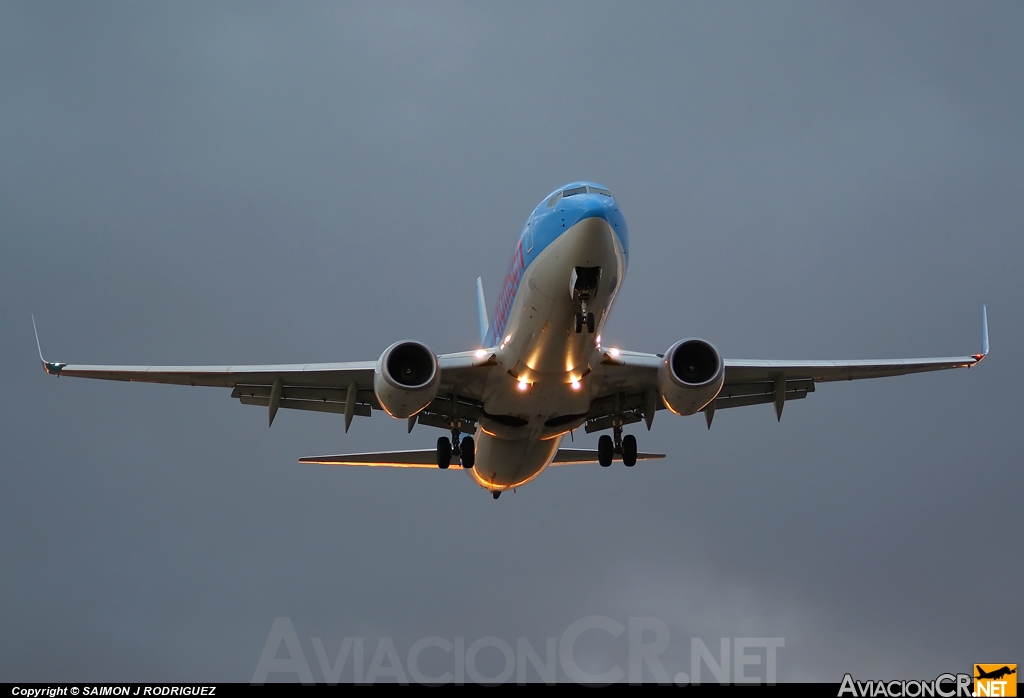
x=690, y=376
x=405, y=379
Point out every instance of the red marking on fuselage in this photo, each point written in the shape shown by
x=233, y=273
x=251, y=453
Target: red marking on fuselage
x=508, y=292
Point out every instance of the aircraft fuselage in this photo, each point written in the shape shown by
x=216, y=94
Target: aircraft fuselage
x=542, y=392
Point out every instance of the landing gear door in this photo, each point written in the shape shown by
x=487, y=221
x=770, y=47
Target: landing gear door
x=583, y=282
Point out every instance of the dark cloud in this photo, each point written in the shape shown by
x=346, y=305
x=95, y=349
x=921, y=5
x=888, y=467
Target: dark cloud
x=206, y=183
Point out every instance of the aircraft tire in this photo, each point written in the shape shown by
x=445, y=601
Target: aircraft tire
x=444, y=452
x=605, y=451
x=629, y=450
x=467, y=450
x=579, y=323
x=590, y=323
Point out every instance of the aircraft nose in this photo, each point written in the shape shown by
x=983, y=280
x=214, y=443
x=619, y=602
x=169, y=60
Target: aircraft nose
x=601, y=207
x=589, y=240
x=595, y=206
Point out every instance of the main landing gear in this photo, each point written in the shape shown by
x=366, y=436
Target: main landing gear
x=624, y=446
x=465, y=449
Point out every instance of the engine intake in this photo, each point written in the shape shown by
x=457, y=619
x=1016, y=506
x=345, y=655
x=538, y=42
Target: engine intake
x=690, y=376
x=406, y=378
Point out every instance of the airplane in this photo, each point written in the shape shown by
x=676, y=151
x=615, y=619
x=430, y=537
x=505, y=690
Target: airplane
x=541, y=369
x=995, y=674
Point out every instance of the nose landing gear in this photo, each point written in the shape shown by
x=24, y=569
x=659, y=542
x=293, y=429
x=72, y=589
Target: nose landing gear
x=582, y=287
x=583, y=318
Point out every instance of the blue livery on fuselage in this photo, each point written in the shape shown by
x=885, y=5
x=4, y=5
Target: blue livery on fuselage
x=558, y=212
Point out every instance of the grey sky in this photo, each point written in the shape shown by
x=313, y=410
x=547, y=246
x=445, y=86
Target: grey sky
x=234, y=183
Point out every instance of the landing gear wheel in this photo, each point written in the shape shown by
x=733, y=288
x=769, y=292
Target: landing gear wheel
x=496, y=493
x=444, y=452
x=629, y=450
x=468, y=452
x=605, y=451
x=579, y=323
x=590, y=323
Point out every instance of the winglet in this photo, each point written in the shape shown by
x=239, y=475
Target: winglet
x=49, y=366
x=984, y=330
x=481, y=310
x=984, y=334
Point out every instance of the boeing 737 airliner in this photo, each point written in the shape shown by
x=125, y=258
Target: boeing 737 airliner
x=541, y=369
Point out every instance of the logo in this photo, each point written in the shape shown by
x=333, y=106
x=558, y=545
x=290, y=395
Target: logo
x=630, y=652
x=995, y=679
x=945, y=686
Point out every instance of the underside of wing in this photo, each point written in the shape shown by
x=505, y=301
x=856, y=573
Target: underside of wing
x=740, y=371
x=340, y=388
x=629, y=381
x=751, y=382
x=343, y=388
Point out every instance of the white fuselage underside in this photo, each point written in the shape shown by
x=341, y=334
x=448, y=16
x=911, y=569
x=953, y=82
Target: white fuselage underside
x=521, y=429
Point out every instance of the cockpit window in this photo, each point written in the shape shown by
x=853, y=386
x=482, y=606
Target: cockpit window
x=582, y=189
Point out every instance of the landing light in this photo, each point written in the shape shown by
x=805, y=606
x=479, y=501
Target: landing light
x=481, y=353
x=523, y=385
x=575, y=385
x=613, y=351
x=598, y=340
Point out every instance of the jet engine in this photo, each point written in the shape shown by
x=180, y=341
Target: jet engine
x=690, y=376
x=405, y=379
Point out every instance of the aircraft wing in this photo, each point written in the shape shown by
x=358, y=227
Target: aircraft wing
x=343, y=388
x=745, y=380
x=630, y=378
